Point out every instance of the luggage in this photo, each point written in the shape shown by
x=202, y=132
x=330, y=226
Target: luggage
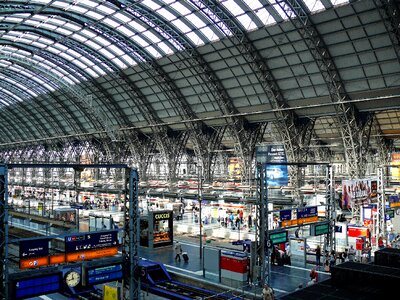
x=185, y=256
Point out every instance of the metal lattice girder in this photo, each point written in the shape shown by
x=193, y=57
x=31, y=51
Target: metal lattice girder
x=380, y=223
x=390, y=14
x=346, y=115
x=172, y=149
x=196, y=61
x=140, y=151
x=286, y=121
x=249, y=137
x=4, y=265
x=261, y=234
x=364, y=138
x=330, y=238
x=205, y=150
x=384, y=145
x=131, y=239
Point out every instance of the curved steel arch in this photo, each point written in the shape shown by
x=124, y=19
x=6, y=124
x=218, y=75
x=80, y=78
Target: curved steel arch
x=62, y=109
x=23, y=116
x=11, y=122
x=21, y=105
x=206, y=73
x=37, y=67
x=293, y=131
x=83, y=20
x=346, y=113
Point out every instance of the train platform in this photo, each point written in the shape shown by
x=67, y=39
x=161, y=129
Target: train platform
x=284, y=279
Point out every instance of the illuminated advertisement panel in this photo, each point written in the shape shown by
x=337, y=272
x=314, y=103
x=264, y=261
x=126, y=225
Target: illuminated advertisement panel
x=358, y=191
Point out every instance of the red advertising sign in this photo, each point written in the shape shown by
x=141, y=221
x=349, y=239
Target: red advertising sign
x=356, y=231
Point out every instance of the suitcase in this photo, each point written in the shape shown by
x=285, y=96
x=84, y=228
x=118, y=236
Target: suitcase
x=185, y=256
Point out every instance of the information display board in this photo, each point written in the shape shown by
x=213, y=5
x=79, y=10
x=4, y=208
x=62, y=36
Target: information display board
x=33, y=248
x=98, y=275
x=319, y=228
x=278, y=237
x=41, y=285
x=90, y=241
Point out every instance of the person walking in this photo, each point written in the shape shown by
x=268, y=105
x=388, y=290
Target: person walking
x=318, y=256
x=268, y=293
x=178, y=251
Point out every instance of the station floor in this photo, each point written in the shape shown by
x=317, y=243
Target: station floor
x=284, y=279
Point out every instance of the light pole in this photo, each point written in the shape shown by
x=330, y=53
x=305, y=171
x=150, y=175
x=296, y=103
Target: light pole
x=199, y=198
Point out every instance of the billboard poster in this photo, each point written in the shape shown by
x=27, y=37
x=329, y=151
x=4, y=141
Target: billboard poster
x=395, y=171
x=358, y=191
x=277, y=175
x=235, y=167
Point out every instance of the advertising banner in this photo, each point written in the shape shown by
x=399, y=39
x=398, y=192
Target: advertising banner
x=395, y=171
x=277, y=175
x=358, y=191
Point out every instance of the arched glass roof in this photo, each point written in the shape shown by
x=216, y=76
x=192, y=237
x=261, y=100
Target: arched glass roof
x=148, y=62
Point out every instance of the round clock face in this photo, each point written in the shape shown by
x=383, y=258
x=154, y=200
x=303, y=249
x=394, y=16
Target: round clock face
x=72, y=278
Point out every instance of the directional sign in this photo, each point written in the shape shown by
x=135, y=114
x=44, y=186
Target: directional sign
x=90, y=241
x=278, y=237
x=33, y=248
x=104, y=274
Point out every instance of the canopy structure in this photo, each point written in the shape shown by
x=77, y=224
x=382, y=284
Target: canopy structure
x=134, y=79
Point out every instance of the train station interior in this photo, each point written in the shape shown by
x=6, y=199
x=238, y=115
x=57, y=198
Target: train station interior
x=192, y=149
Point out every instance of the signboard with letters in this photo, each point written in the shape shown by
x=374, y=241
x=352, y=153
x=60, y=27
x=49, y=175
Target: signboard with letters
x=33, y=248
x=91, y=240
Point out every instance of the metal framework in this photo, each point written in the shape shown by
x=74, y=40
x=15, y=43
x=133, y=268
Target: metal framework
x=346, y=114
x=379, y=221
x=263, y=245
x=3, y=233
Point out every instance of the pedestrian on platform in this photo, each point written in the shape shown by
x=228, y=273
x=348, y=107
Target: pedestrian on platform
x=318, y=256
x=268, y=293
x=178, y=251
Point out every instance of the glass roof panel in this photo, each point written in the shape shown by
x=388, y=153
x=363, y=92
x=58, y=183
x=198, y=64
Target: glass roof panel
x=19, y=99
x=153, y=52
x=122, y=17
x=166, y=14
x=265, y=16
x=110, y=22
x=106, y=53
x=102, y=41
x=106, y=9
x=151, y=4
x=128, y=59
x=94, y=15
x=119, y=63
x=314, y=5
x=339, y=2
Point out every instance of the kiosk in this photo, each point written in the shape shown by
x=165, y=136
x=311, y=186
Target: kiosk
x=156, y=229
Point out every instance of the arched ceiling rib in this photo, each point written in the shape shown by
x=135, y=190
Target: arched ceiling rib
x=154, y=62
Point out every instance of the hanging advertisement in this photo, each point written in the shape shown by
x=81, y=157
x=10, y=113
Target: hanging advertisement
x=395, y=171
x=277, y=175
x=235, y=167
x=358, y=192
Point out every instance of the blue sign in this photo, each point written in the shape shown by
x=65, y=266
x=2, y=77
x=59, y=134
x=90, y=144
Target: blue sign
x=104, y=274
x=285, y=214
x=276, y=175
x=306, y=212
x=33, y=248
x=92, y=240
x=37, y=286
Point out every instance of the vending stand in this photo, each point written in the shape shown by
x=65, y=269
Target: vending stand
x=156, y=229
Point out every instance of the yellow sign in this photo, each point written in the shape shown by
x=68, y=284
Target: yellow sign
x=110, y=292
